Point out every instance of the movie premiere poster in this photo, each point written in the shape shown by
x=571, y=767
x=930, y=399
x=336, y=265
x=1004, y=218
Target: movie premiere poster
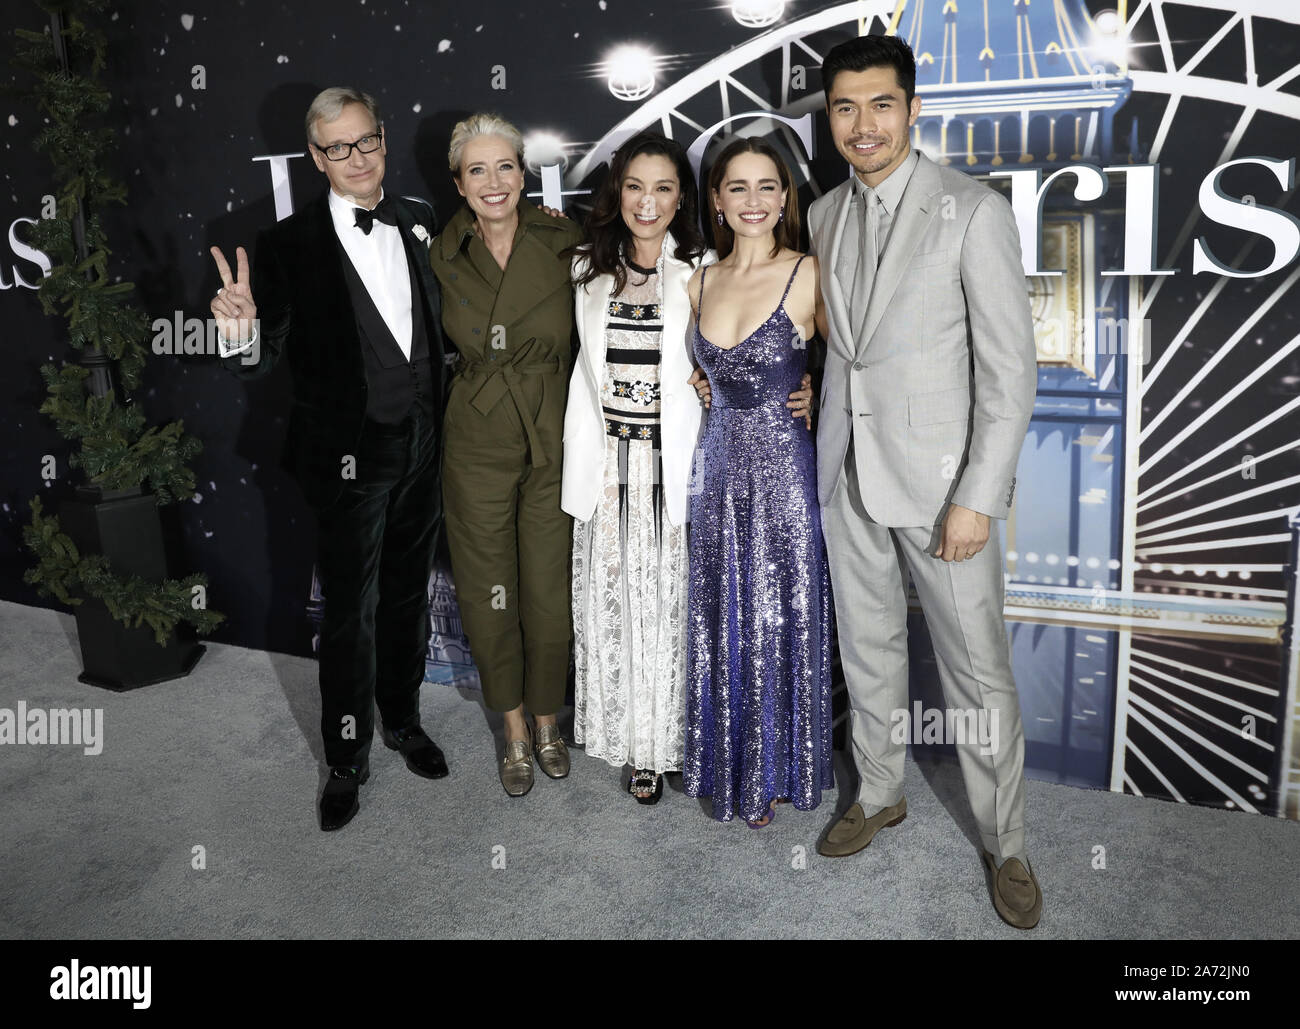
x=1147, y=147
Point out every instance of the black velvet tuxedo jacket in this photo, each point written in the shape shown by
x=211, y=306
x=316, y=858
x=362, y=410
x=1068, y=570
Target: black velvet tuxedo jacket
x=306, y=316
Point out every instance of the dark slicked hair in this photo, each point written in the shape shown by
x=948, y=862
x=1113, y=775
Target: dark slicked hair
x=871, y=52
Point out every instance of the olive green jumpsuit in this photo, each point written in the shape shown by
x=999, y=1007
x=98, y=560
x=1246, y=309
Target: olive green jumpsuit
x=503, y=431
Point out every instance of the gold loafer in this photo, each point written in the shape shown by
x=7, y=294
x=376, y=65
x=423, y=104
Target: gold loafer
x=517, y=767
x=552, y=754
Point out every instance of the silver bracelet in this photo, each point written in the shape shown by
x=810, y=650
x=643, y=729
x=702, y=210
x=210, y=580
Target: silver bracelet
x=239, y=345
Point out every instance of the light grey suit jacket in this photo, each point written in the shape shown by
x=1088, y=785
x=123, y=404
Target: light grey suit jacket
x=936, y=378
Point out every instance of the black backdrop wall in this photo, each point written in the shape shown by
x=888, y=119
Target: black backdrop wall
x=188, y=158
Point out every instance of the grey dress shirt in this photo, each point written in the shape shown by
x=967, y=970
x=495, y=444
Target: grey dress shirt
x=878, y=206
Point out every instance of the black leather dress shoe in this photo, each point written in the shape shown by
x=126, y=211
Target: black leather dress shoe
x=338, y=802
x=422, y=755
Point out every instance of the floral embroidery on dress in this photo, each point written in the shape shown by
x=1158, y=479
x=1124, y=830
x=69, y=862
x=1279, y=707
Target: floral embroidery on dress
x=635, y=312
x=638, y=391
x=629, y=582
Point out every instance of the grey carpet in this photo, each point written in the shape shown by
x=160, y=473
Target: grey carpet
x=228, y=759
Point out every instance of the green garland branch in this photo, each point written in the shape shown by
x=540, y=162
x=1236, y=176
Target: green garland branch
x=63, y=572
x=116, y=449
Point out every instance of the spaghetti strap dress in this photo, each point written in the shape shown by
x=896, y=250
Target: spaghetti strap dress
x=759, y=608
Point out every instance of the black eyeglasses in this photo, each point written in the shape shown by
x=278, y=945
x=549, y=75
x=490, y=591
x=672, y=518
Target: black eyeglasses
x=342, y=151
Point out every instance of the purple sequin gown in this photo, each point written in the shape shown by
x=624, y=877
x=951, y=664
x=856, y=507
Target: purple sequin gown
x=759, y=629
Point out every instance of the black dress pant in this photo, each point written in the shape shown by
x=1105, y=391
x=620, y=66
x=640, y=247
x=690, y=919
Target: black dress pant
x=375, y=554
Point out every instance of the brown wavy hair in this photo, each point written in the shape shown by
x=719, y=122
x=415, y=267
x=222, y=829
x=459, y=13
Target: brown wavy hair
x=609, y=240
x=786, y=234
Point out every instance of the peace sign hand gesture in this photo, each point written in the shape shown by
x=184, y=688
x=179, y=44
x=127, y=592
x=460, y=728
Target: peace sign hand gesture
x=233, y=306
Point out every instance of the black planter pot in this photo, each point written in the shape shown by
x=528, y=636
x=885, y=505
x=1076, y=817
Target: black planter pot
x=124, y=526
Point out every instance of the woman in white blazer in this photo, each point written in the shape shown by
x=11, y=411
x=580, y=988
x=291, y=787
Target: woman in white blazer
x=630, y=432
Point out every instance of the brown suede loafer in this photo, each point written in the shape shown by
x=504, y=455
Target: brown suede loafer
x=1016, y=896
x=854, y=830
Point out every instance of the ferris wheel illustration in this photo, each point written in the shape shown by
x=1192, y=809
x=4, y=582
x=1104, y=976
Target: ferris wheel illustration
x=1222, y=523
x=1191, y=612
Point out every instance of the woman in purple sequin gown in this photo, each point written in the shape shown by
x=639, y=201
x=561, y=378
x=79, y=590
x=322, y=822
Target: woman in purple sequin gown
x=759, y=627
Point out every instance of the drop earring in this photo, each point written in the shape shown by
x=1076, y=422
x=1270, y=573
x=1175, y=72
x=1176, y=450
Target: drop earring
x=719, y=217
x=781, y=217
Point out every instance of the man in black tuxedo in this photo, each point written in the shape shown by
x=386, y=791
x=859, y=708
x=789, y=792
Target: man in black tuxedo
x=346, y=295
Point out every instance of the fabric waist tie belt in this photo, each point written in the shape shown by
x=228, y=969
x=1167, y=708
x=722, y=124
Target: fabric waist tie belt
x=502, y=377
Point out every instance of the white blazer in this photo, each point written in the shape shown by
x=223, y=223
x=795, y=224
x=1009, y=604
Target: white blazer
x=680, y=408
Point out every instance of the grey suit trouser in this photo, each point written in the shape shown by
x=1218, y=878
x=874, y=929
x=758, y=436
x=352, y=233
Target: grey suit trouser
x=962, y=602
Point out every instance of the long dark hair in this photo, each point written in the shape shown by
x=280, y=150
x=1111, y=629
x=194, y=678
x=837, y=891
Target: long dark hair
x=786, y=233
x=609, y=241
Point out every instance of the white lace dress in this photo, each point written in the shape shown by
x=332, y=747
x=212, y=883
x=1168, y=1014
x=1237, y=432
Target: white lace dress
x=629, y=561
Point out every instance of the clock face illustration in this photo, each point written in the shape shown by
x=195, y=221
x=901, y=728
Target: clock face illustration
x=1171, y=585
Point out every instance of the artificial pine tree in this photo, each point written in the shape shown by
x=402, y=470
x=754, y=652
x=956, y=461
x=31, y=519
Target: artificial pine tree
x=90, y=401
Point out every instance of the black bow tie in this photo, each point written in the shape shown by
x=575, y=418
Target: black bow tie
x=383, y=212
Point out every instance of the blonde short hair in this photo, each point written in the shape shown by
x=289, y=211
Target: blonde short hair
x=482, y=124
x=329, y=104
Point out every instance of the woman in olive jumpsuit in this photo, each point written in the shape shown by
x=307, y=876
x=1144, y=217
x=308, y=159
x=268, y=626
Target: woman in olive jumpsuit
x=507, y=306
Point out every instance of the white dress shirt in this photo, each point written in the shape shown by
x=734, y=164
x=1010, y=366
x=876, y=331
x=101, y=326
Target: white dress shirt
x=380, y=260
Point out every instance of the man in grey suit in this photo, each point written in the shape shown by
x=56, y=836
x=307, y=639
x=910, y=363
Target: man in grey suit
x=927, y=394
